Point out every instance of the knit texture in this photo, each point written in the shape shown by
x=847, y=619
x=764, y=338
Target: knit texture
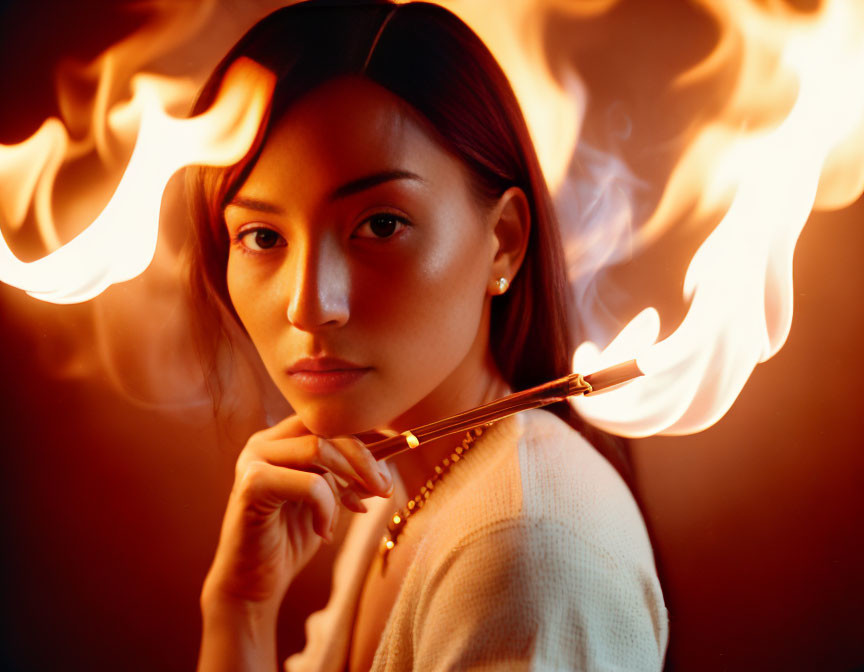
x=535, y=557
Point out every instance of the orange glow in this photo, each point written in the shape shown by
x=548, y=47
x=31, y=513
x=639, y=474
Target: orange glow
x=788, y=140
x=803, y=73
x=513, y=31
x=121, y=241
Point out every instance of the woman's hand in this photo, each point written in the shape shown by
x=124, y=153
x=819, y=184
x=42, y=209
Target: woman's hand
x=278, y=511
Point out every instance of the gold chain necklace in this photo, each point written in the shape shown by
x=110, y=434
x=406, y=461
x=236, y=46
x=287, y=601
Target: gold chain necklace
x=400, y=518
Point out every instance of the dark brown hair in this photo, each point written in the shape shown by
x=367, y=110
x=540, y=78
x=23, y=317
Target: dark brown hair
x=429, y=58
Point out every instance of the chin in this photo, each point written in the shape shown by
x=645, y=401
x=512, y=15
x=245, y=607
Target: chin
x=367, y=408
x=329, y=419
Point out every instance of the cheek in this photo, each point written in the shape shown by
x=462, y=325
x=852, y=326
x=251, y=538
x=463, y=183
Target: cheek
x=238, y=290
x=252, y=300
x=429, y=305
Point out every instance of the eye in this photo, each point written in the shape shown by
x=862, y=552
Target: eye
x=381, y=226
x=260, y=239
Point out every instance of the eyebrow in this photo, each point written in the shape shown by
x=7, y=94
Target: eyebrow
x=369, y=181
x=347, y=189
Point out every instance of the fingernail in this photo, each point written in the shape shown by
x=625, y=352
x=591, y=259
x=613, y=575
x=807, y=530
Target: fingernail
x=341, y=481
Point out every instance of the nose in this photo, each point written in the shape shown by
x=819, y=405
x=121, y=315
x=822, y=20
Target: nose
x=318, y=286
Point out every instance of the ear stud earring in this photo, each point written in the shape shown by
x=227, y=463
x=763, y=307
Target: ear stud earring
x=502, y=284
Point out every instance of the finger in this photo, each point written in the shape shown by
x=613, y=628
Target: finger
x=267, y=487
x=331, y=482
x=375, y=474
x=367, y=483
x=349, y=492
x=360, y=490
x=352, y=501
x=288, y=427
x=305, y=451
x=344, y=493
x=256, y=445
x=334, y=487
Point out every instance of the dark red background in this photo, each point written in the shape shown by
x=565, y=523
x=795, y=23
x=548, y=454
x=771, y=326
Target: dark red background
x=110, y=513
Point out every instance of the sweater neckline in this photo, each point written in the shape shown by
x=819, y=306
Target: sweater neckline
x=329, y=630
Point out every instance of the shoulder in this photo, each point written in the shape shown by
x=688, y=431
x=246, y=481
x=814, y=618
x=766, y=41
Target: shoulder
x=535, y=591
x=542, y=552
x=541, y=470
x=537, y=470
x=564, y=478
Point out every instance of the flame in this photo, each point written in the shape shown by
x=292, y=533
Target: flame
x=29, y=170
x=789, y=139
x=122, y=112
x=120, y=243
x=553, y=111
x=801, y=72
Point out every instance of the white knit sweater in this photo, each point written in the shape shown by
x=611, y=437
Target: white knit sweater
x=537, y=559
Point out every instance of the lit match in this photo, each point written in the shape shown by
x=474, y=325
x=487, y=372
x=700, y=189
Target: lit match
x=535, y=397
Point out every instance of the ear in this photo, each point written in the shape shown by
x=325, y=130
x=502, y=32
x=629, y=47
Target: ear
x=510, y=219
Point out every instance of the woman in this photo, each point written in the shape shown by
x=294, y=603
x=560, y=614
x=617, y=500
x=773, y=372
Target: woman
x=389, y=247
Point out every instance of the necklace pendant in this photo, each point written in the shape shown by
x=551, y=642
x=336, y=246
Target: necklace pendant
x=394, y=529
x=387, y=544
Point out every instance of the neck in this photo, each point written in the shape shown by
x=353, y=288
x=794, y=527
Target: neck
x=475, y=382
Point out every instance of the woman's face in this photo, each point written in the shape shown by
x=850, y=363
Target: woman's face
x=356, y=237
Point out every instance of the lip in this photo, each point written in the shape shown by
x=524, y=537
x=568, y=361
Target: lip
x=322, y=364
x=325, y=374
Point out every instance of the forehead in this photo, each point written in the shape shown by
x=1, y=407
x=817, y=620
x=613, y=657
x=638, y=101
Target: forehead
x=345, y=129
